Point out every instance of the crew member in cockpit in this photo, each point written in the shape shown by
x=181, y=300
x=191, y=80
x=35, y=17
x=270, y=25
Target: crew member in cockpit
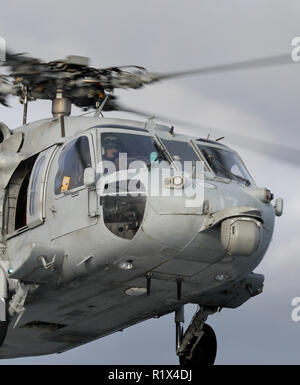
x=111, y=150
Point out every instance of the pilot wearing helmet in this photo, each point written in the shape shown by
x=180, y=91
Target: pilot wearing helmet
x=111, y=149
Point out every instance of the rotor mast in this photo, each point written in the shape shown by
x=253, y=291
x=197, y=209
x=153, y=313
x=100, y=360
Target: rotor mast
x=61, y=107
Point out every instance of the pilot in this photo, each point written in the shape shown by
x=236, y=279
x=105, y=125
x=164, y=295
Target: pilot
x=111, y=149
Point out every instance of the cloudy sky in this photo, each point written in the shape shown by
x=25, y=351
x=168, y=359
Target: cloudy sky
x=171, y=35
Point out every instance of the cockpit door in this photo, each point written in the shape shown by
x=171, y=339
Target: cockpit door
x=69, y=200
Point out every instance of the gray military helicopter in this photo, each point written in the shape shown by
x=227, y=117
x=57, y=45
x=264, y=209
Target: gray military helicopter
x=81, y=256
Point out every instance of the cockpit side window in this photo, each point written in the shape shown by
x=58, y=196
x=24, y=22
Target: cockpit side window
x=180, y=151
x=185, y=157
x=74, y=159
x=140, y=149
x=35, y=186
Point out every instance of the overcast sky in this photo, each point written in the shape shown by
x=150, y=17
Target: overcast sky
x=169, y=35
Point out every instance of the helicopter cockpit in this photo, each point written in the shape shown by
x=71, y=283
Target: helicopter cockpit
x=142, y=151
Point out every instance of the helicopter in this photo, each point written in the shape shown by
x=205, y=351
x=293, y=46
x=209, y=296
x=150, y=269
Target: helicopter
x=103, y=226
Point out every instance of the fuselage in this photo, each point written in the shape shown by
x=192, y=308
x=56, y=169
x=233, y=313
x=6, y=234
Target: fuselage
x=98, y=260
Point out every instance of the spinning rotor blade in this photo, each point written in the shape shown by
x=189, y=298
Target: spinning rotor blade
x=280, y=152
x=137, y=79
x=238, y=66
x=6, y=89
x=20, y=63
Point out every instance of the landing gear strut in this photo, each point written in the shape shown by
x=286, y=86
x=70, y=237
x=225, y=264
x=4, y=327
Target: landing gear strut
x=3, y=331
x=3, y=320
x=3, y=306
x=198, y=345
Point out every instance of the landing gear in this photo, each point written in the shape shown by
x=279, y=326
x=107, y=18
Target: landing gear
x=3, y=306
x=205, y=350
x=3, y=320
x=3, y=331
x=198, y=345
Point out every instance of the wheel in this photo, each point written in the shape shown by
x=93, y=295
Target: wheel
x=205, y=351
x=3, y=331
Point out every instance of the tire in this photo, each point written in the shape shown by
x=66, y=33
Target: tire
x=206, y=350
x=3, y=331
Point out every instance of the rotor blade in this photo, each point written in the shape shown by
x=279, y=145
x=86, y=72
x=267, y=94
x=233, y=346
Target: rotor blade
x=6, y=89
x=120, y=79
x=22, y=64
x=281, y=152
x=271, y=61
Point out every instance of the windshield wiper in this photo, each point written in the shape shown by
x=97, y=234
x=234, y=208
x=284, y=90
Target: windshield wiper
x=161, y=155
x=247, y=182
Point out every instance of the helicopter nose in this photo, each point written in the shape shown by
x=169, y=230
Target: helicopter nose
x=222, y=235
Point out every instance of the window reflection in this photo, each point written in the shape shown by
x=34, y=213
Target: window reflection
x=35, y=186
x=74, y=159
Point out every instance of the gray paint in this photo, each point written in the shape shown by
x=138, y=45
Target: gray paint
x=72, y=258
x=262, y=103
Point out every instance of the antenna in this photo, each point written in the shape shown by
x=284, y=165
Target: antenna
x=100, y=108
x=25, y=105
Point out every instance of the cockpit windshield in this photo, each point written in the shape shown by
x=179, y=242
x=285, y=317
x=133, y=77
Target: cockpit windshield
x=226, y=164
x=124, y=151
x=184, y=154
x=180, y=151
